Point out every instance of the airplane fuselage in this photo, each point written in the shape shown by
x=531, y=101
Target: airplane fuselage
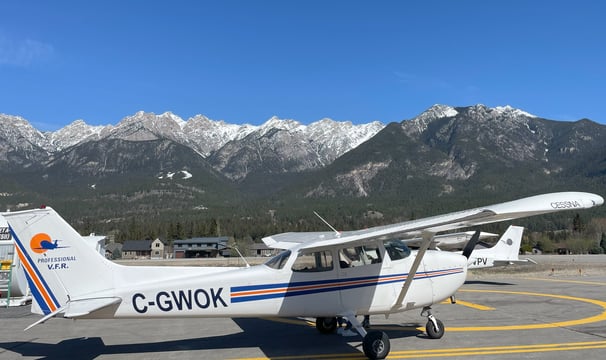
x=264, y=291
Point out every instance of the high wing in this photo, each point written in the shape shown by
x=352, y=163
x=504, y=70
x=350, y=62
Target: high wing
x=530, y=206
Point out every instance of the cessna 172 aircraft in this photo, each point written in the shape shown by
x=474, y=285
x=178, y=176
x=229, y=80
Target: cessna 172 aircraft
x=322, y=274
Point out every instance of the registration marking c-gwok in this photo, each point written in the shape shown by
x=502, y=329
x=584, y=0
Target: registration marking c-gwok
x=587, y=320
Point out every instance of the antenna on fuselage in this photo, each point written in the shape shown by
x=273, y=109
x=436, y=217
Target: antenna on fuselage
x=239, y=253
x=242, y=257
x=337, y=233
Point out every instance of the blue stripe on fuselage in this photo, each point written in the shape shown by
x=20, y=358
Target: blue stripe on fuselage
x=321, y=286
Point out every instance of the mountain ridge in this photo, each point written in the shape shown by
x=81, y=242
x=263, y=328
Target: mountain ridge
x=150, y=166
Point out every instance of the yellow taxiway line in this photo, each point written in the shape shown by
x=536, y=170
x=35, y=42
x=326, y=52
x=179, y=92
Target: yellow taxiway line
x=488, y=350
x=455, y=352
x=569, y=281
x=587, y=320
x=582, y=321
x=470, y=304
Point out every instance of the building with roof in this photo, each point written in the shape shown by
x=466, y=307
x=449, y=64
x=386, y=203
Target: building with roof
x=143, y=249
x=260, y=249
x=201, y=247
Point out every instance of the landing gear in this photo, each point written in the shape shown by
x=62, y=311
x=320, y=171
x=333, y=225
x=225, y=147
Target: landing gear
x=326, y=325
x=434, y=327
x=376, y=345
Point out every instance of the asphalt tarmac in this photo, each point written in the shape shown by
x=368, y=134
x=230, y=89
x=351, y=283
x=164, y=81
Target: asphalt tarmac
x=509, y=317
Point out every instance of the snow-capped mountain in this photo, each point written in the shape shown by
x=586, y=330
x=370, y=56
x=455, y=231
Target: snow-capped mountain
x=207, y=135
x=149, y=163
x=446, y=149
x=318, y=143
x=281, y=146
x=21, y=146
x=72, y=134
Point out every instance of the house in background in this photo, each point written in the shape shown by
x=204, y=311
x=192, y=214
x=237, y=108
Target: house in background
x=113, y=251
x=201, y=247
x=260, y=249
x=143, y=249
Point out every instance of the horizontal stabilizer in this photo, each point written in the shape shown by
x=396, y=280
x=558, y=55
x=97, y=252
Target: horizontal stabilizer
x=513, y=262
x=46, y=317
x=78, y=308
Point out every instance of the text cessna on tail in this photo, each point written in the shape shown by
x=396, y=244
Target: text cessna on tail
x=321, y=275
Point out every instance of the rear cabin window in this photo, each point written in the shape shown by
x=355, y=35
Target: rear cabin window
x=359, y=256
x=277, y=262
x=313, y=262
x=396, y=249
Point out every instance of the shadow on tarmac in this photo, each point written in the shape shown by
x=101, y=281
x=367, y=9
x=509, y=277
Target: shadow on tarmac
x=274, y=339
x=480, y=282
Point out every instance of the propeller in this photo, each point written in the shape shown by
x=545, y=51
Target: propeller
x=471, y=244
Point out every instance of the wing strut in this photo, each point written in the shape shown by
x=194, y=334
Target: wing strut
x=427, y=239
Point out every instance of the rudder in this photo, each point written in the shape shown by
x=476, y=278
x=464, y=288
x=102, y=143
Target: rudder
x=508, y=246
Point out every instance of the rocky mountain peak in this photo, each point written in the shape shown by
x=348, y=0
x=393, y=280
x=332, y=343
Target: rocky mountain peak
x=508, y=110
x=506, y=113
x=419, y=124
x=144, y=126
x=74, y=133
x=20, y=133
x=274, y=123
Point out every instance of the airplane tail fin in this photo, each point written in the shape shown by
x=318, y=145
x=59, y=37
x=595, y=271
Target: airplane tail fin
x=62, y=270
x=508, y=246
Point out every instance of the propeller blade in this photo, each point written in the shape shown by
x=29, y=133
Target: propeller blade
x=471, y=244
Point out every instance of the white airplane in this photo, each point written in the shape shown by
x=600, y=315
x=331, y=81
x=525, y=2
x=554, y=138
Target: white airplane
x=504, y=252
x=323, y=274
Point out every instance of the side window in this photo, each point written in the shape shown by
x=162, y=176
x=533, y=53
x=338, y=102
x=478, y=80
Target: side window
x=313, y=262
x=277, y=262
x=359, y=256
x=396, y=249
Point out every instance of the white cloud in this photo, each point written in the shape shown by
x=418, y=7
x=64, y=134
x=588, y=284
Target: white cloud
x=23, y=52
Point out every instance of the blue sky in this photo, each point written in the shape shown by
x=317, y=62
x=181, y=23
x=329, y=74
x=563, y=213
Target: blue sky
x=245, y=61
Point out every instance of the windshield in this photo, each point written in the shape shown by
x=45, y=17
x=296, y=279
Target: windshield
x=396, y=249
x=277, y=262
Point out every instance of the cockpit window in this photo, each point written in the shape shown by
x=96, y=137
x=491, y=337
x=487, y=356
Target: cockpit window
x=396, y=249
x=277, y=262
x=313, y=262
x=359, y=256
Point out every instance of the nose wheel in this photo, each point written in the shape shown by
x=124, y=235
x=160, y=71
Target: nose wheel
x=434, y=327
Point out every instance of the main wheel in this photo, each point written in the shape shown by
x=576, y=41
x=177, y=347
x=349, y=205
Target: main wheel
x=326, y=325
x=431, y=330
x=376, y=345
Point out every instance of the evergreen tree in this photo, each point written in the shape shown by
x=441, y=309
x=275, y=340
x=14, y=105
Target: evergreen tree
x=577, y=223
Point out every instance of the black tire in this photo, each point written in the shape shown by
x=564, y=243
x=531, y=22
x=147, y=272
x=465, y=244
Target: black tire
x=431, y=330
x=326, y=325
x=376, y=345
